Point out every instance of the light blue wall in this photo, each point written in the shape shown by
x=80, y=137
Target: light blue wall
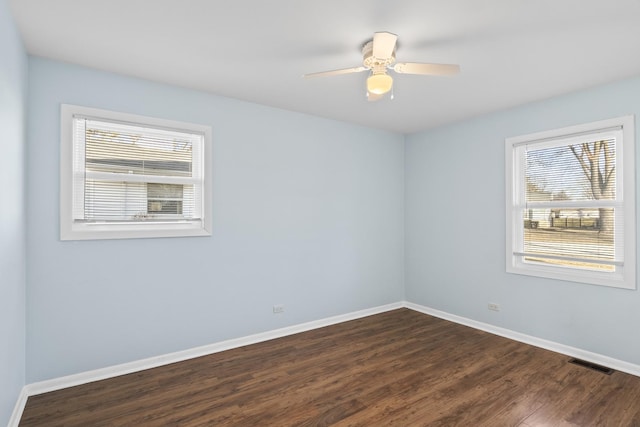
x=307, y=213
x=455, y=232
x=13, y=84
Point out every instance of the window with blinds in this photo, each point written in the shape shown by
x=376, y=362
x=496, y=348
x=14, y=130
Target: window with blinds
x=571, y=204
x=130, y=176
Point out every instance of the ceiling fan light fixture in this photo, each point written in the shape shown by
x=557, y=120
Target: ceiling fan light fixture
x=379, y=83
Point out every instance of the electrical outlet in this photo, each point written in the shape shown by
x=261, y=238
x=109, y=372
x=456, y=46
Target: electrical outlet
x=278, y=308
x=493, y=306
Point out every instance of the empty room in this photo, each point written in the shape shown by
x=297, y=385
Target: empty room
x=296, y=213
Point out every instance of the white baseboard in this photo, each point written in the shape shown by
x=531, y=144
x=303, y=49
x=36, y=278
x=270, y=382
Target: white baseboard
x=19, y=408
x=153, y=362
x=618, y=365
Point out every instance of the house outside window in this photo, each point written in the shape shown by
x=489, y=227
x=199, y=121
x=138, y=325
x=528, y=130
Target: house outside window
x=571, y=203
x=164, y=199
x=126, y=176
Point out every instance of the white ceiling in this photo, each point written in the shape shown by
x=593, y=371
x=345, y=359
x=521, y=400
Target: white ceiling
x=510, y=51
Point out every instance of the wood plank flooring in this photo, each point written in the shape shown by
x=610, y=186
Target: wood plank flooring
x=400, y=368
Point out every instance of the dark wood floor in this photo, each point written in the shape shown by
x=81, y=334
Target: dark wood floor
x=399, y=368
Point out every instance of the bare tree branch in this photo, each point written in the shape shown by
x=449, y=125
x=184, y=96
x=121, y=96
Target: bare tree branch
x=580, y=157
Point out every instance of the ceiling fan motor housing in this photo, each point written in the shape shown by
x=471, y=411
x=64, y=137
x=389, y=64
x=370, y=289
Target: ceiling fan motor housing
x=373, y=63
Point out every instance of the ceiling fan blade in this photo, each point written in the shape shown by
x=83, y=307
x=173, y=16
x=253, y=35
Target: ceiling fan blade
x=335, y=72
x=427, y=69
x=374, y=97
x=383, y=44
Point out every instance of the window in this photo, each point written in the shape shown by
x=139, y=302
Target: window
x=571, y=203
x=126, y=176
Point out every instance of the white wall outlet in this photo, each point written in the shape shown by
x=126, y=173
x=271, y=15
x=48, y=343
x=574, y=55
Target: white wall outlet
x=493, y=306
x=278, y=308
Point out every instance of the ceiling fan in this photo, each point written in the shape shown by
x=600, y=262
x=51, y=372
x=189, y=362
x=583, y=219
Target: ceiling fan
x=379, y=56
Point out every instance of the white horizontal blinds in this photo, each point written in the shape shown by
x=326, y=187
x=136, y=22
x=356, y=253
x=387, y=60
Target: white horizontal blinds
x=133, y=173
x=78, y=169
x=569, y=206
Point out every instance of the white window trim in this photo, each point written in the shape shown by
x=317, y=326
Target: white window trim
x=72, y=230
x=625, y=277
